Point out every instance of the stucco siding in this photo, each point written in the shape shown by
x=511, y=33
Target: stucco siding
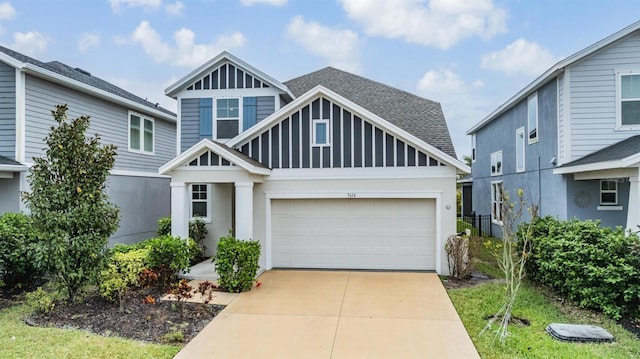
x=10, y=194
x=107, y=119
x=7, y=111
x=593, y=96
x=583, y=199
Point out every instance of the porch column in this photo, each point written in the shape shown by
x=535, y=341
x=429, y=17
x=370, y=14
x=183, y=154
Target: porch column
x=633, y=207
x=179, y=209
x=244, y=210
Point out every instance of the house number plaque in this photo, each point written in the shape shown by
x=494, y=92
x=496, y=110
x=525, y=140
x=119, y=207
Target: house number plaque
x=351, y=195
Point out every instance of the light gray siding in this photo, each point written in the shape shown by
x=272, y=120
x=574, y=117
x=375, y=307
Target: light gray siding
x=142, y=201
x=10, y=194
x=593, y=96
x=109, y=120
x=189, y=122
x=7, y=111
x=541, y=187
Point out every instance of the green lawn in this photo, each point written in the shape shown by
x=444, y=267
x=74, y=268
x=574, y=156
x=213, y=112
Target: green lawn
x=540, y=307
x=18, y=340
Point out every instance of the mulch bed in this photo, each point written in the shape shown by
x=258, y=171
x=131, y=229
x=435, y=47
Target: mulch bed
x=474, y=279
x=161, y=322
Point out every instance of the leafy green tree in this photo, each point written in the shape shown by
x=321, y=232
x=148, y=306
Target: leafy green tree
x=69, y=204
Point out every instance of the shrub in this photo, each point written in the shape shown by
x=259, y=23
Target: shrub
x=164, y=226
x=236, y=263
x=197, y=231
x=123, y=272
x=42, y=301
x=20, y=250
x=459, y=256
x=591, y=265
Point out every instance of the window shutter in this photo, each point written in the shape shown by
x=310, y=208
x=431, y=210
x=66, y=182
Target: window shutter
x=249, y=113
x=206, y=118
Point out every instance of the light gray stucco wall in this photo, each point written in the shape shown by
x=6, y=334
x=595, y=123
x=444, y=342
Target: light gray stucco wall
x=583, y=199
x=10, y=194
x=142, y=201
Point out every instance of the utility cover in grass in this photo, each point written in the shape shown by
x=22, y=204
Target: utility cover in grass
x=579, y=333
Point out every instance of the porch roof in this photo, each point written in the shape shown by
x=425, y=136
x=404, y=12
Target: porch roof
x=9, y=165
x=623, y=154
x=230, y=154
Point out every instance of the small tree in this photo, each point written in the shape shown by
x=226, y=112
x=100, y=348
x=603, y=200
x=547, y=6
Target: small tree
x=511, y=255
x=69, y=204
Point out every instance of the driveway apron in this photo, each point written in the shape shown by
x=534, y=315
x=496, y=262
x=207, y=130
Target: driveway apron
x=337, y=314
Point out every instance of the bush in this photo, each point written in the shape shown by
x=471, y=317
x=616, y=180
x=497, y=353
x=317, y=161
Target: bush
x=197, y=231
x=41, y=301
x=591, y=265
x=164, y=226
x=236, y=263
x=20, y=251
x=123, y=271
x=459, y=256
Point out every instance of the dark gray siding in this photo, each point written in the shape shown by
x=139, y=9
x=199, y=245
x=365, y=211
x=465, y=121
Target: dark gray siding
x=265, y=107
x=226, y=76
x=7, y=111
x=107, y=119
x=189, y=122
x=355, y=142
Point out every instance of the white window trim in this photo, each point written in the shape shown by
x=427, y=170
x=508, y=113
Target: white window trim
x=206, y=219
x=214, y=111
x=521, y=132
x=529, y=99
x=142, y=119
x=619, y=125
x=313, y=132
x=493, y=199
x=609, y=191
x=473, y=147
x=496, y=155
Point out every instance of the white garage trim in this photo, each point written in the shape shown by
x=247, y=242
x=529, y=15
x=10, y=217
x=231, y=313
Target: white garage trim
x=354, y=194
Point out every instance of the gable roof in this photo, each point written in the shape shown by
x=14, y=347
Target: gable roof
x=623, y=154
x=365, y=113
x=173, y=89
x=230, y=154
x=7, y=164
x=418, y=116
x=554, y=71
x=82, y=80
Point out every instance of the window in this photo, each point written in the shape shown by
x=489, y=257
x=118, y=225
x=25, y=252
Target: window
x=496, y=202
x=496, y=163
x=532, y=117
x=520, y=161
x=629, y=105
x=320, y=132
x=227, y=118
x=200, y=201
x=473, y=147
x=608, y=193
x=140, y=133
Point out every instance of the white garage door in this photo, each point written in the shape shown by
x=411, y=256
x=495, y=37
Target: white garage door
x=353, y=233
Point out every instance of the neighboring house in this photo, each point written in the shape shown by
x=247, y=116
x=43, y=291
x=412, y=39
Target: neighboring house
x=143, y=132
x=570, y=139
x=328, y=170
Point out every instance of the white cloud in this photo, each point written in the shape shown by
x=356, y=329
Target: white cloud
x=440, y=23
x=118, y=5
x=185, y=52
x=341, y=47
x=463, y=103
x=88, y=40
x=266, y=2
x=7, y=12
x=520, y=57
x=29, y=43
x=175, y=9
x=152, y=90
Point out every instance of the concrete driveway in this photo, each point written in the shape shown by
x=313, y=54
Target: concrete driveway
x=337, y=314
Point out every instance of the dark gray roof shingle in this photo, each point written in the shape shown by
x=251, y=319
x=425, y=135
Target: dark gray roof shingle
x=9, y=162
x=84, y=77
x=421, y=117
x=617, y=151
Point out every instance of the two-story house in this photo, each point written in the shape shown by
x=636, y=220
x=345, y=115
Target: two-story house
x=143, y=132
x=327, y=170
x=569, y=139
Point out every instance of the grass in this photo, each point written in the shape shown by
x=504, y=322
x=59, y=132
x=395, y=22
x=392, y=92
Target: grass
x=540, y=307
x=18, y=340
x=462, y=225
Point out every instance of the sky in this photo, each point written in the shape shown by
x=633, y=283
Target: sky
x=469, y=55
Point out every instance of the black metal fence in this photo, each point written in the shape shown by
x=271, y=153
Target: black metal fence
x=479, y=224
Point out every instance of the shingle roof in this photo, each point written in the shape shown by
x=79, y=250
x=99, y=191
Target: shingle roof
x=242, y=155
x=617, y=151
x=84, y=77
x=8, y=161
x=421, y=117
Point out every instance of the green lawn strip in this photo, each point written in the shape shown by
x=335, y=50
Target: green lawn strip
x=534, y=304
x=18, y=340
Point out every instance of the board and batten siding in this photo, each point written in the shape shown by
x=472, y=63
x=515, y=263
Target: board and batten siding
x=107, y=119
x=353, y=142
x=7, y=111
x=593, y=96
